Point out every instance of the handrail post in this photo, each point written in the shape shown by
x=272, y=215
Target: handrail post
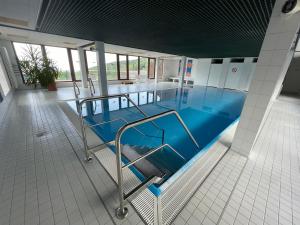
x=87, y=154
x=76, y=94
x=122, y=211
x=91, y=86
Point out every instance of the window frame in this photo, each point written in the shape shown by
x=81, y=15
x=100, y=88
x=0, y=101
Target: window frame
x=118, y=67
x=71, y=63
x=44, y=53
x=149, y=58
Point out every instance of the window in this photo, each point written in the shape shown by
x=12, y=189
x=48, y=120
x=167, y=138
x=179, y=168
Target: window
x=133, y=67
x=122, y=67
x=22, y=50
x=143, y=66
x=111, y=66
x=61, y=60
x=76, y=64
x=92, y=65
x=151, y=72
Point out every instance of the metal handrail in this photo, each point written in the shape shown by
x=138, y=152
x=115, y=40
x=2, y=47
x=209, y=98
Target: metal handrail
x=122, y=211
x=91, y=86
x=75, y=86
x=93, y=98
x=150, y=153
x=123, y=119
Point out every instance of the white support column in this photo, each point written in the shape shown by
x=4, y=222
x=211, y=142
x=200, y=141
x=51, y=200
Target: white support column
x=182, y=71
x=156, y=70
x=102, y=78
x=83, y=67
x=273, y=61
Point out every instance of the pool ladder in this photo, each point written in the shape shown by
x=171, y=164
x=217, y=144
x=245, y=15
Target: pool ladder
x=122, y=211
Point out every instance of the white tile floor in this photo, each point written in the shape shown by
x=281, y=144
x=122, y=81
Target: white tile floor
x=44, y=181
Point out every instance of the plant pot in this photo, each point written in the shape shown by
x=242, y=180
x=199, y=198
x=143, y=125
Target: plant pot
x=52, y=87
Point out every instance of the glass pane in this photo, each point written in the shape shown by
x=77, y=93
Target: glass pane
x=150, y=97
x=142, y=98
x=143, y=66
x=124, y=102
x=113, y=104
x=134, y=97
x=76, y=64
x=123, y=66
x=60, y=59
x=92, y=65
x=133, y=67
x=22, y=51
x=111, y=66
x=151, y=68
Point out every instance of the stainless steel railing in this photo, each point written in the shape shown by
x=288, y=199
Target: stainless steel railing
x=76, y=89
x=94, y=98
x=122, y=211
x=91, y=86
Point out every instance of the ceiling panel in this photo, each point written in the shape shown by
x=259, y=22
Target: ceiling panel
x=19, y=13
x=195, y=28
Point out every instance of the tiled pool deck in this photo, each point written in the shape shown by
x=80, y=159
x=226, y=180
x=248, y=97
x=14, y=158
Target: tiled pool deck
x=43, y=179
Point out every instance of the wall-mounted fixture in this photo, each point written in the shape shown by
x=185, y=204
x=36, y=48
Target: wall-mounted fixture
x=291, y=7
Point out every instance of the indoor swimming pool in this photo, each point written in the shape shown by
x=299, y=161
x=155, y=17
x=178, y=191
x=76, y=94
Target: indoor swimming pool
x=206, y=111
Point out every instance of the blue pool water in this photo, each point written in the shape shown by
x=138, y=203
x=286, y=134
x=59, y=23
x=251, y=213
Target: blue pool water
x=207, y=111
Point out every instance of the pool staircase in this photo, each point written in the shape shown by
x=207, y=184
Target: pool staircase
x=136, y=155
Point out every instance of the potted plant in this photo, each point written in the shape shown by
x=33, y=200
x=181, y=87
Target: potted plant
x=48, y=74
x=38, y=69
x=30, y=65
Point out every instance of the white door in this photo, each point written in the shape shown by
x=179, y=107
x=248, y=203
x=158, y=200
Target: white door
x=215, y=75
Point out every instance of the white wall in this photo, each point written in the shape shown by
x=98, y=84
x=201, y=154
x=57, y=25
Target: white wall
x=5, y=86
x=216, y=75
x=291, y=84
x=7, y=49
x=201, y=71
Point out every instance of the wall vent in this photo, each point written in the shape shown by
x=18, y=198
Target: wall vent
x=216, y=61
x=237, y=60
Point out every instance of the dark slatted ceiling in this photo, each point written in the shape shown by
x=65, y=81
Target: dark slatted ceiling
x=196, y=28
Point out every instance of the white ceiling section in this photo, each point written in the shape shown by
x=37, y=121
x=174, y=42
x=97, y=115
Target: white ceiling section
x=33, y=37
x=19, y=13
